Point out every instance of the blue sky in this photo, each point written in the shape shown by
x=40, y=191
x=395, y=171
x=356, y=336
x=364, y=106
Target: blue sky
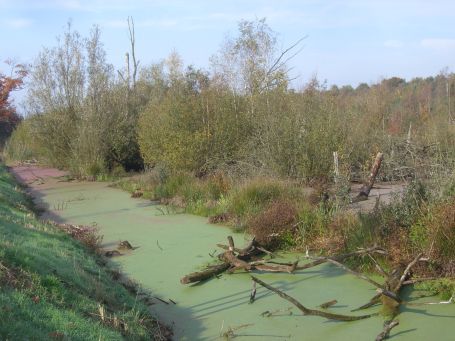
x=349, y=41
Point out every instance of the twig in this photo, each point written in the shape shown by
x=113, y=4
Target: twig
x=268, y=313
x=230, y=332
x=378, y=266
x=328, y=304
x=253, y=293
x=159, y=299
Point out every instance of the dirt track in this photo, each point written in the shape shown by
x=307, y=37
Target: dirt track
x=29, y=174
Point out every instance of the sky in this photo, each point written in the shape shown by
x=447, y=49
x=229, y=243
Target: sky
x=348, y=41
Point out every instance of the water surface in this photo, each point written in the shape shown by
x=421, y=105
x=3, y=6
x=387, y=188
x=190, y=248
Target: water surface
x=171, y=246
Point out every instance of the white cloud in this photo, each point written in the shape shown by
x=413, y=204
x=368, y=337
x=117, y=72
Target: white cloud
x=438, y=43
x=394, y=44
x=18, y=23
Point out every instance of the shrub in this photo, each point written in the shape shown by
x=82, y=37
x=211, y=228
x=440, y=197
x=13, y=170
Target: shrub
x=20, y=146
x=275, y=225
x=434, y=234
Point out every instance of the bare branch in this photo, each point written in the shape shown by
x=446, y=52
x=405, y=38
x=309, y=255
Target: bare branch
x=274, y=67
x=406, y=271
x=307, y=311
x=133, y=49
x=369, y=280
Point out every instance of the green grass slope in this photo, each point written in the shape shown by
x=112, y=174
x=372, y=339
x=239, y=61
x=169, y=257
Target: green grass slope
x=53, y=287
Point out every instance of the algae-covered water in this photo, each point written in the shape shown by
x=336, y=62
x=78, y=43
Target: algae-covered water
x=171, y=246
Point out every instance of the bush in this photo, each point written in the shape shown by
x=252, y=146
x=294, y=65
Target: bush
x=21, y=146
x=275, y=225
x=434, y=234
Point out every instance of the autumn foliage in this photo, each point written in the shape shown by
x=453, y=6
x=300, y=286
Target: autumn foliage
x=8, y=115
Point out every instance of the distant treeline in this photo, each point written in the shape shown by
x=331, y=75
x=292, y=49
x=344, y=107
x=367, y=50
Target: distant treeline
x=240, y=117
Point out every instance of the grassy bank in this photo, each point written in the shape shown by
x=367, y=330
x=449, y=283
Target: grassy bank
x=283, y=214
x=55, y=287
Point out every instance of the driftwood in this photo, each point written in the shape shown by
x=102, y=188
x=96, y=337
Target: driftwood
x=307, y=311
x=328, y=304
x=205, y=274
x=366, y=188
x=237, y=259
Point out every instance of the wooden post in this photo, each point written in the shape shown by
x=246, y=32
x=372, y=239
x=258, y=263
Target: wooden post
x=335, y=163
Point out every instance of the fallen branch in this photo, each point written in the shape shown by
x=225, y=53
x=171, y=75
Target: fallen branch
x=205, y=274
x=374, y=300
x=387, y=328
x=369, y=280
x=307, y=311
x=406, y=271
x=374, y=249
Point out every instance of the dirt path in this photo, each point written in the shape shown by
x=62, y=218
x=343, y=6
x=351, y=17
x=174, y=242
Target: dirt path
x=29, y=174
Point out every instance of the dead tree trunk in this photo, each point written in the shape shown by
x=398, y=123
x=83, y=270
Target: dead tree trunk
x=366, y=188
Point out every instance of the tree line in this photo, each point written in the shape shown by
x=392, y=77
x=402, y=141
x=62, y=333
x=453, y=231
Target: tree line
x=241, y=116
